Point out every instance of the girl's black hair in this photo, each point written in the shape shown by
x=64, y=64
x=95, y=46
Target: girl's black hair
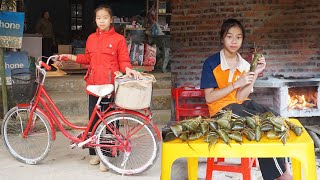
x=106, y=7
x=229, y=23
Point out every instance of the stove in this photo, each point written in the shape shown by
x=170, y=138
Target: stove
x=293, y=96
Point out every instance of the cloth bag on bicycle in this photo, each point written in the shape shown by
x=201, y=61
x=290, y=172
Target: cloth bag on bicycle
x=134, y=93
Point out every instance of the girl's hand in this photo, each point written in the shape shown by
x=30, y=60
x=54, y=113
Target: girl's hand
x=118, y=74
x=245, y=80
x=133, y=73
x=69, y=56
x=261, y=65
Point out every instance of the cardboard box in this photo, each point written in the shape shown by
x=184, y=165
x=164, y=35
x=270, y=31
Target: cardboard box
x=64, y=49
x=78, y=51
x=70, y=65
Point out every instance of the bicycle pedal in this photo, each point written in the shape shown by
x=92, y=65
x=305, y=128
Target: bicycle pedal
x=92, y=138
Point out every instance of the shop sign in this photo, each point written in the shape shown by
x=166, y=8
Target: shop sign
x=11, y=29
x=13, y=60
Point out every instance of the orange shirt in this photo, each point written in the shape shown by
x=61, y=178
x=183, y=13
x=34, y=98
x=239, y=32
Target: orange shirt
x=217, y=74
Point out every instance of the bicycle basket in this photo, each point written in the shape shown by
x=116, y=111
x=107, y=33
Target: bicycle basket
x=24, y=85
x=134, y=94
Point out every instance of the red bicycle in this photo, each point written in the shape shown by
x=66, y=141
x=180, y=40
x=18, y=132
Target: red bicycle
x=125, y=140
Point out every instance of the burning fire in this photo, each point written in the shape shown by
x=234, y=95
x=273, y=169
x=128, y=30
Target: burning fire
x=300, y=102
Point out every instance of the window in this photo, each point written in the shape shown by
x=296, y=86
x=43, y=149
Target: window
x=76, y=16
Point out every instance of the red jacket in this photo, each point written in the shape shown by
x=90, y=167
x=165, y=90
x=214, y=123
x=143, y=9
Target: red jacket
x=106, y=52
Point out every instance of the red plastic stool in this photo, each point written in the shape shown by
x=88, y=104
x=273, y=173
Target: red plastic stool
x=244, y=167
x=183, y=107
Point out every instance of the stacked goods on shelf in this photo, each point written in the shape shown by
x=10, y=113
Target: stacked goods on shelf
x=136, y=54
x=142, y=56
x=150, y=53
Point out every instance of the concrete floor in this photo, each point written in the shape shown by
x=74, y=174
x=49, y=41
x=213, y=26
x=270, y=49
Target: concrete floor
x=72, y=164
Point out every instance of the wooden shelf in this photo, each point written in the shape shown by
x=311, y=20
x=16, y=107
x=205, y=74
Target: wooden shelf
x=132, y=29
x=162, y=10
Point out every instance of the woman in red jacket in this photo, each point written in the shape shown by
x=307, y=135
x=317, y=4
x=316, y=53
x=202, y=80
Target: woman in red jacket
x=106, y=53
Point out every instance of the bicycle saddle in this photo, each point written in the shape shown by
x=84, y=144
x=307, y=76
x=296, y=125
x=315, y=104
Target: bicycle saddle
x=101, y=90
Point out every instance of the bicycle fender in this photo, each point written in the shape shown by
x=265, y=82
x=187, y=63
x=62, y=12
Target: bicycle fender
x=50, y=122
x=139, y=115
x=156, y=129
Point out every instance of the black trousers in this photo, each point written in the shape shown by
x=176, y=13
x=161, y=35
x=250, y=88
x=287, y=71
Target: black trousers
x=92, y=102
x=271, y=168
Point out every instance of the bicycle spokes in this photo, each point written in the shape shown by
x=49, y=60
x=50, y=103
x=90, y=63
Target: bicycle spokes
x=135, y=146
x=20, y=120
x=133, y=132
x=27, y=144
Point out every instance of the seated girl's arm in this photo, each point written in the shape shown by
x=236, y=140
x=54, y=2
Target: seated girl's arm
x=245, y=85
x=209, y=84
x=246, y=82
x=212, y=94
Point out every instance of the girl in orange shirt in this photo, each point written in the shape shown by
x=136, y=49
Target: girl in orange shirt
x=227, y=83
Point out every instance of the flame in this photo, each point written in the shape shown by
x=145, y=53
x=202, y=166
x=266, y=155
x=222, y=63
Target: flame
x=299, y=102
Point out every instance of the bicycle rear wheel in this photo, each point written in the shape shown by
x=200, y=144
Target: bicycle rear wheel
x=144, y=144
x=35, y=146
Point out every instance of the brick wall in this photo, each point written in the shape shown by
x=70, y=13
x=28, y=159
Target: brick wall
x=287, y=32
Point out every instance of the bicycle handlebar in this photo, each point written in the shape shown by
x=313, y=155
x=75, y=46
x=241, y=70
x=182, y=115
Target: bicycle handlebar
x=42, y=67
x=45, y=65
x=63, y=58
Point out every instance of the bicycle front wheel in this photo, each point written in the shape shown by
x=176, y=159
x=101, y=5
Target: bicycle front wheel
x=35, y=146
x=144, y=145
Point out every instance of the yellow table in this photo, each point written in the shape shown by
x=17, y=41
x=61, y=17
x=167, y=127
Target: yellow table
x=299, y=148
